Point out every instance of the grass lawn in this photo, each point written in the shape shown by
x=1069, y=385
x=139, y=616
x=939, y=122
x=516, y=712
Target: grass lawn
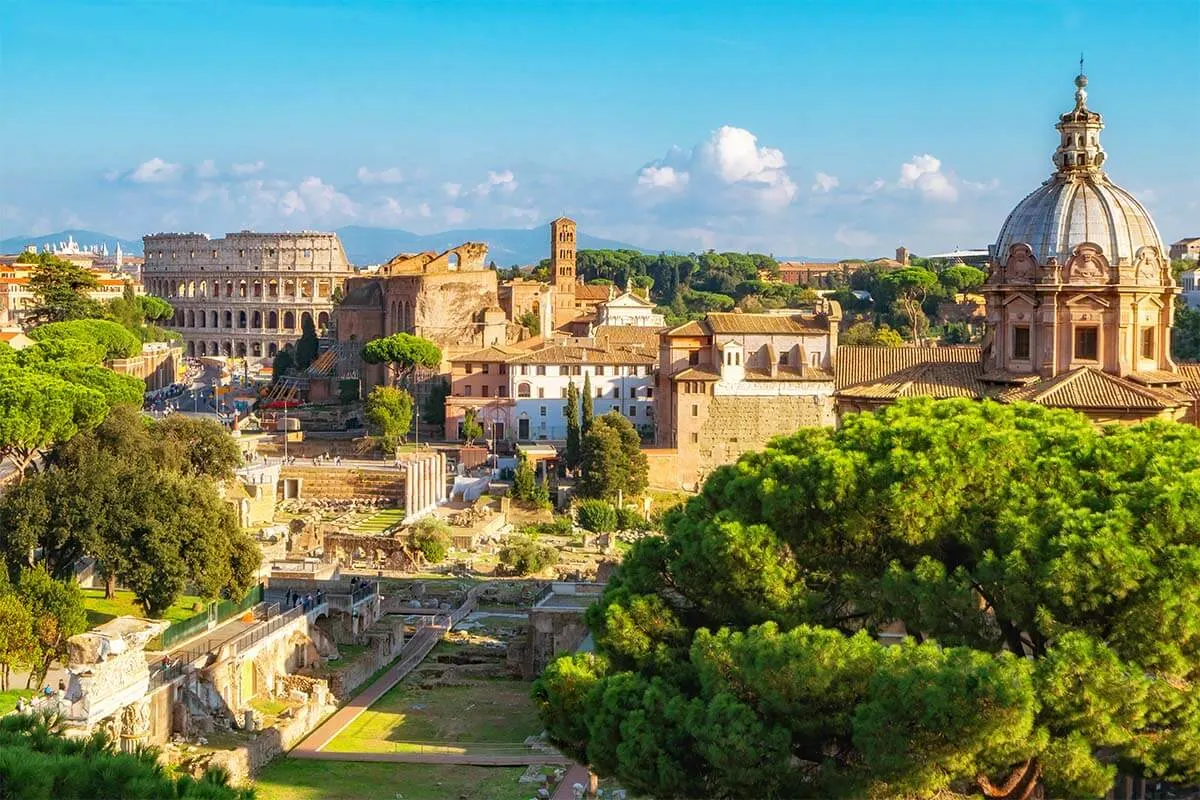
x=100, y=610
x=498, y=711
x=8, y=700
x=380, y=521
x=294, y=779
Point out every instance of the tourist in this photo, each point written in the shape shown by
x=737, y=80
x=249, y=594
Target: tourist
x=62, y=687
x=20, y=705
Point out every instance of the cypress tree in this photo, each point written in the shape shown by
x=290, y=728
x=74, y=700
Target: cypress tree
x=585, y=424
x=573, y=430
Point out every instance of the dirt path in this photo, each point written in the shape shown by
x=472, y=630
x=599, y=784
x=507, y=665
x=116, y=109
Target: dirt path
x=576, y=774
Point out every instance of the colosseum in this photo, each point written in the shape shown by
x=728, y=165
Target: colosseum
x=245, y=295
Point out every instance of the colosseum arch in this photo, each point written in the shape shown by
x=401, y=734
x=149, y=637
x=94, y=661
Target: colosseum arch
x=229, y=288
x=305, y=316
x=272, y=349
x=204, y=288
x=257, y=288
x=256, y=320
x=179, y=289
x=322, y=320
x=191, y=318
x=241, y=350
x=228, y=319
x=256, y=349
x=272, y=319
x=289, y=288
x=289, y=321
x=179, y=318
x=273, y=288
x=191, y=349
x=212, y=319
x=227, y=348
x=242, y=289
x=242, y=319
x=213, y=349
x=203, y=348
x=191, y=289
x=202, y=318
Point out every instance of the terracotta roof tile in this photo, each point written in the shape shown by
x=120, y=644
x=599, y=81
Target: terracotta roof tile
x=692, y=328
x=696, y=374
x=585, y=291
x=1091, y=388
x=644, y=337
x=804, y=373
x=854, y=365
x=492, y=353
x=1151, y=377
x=564, y=354
x=939, y=380
x=720, y=323
x=1191, y=378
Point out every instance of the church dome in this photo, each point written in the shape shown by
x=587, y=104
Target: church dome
x=1078, y=203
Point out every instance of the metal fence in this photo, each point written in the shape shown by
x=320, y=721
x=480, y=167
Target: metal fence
x=243, y=642
x=165, y=672
x=187, y=628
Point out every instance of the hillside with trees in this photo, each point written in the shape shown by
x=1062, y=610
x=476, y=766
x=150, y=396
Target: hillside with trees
x=940, y=598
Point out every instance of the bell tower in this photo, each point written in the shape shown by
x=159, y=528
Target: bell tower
x=562, y=268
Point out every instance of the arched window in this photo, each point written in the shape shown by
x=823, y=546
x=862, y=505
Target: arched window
x=242, y=320
x=241, y=288
x=272, y=349
x=213, y=349
x=204, y=348
x=202, y=317
x=258, y=288
x=256, y=320
x=322, y=320
x=227, y=348
x=273, y=289
x=272, y=319
x=204, y=288
x=212, y=319
x=523, y=390
x=256, y=349
x=228, y=319
x=229, y=288
x=191, y=349
x=305, y=317
x=289, y=321
x=241, y=349
x=191, y=288
x=191, y=318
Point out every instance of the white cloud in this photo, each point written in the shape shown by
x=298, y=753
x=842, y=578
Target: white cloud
x=317, y=199
x=924, y=174
x=728, y=167
x=249, y=168
x=455, y=215
x=154, y=171
x=206, y=169
x=504, y=181
x=389, y=175
x=824, y=183
x=875, y=185
x=664, y=177
x=854, y=238
x=452, y=190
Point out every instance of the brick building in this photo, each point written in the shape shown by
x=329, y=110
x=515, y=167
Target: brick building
x=730, y=382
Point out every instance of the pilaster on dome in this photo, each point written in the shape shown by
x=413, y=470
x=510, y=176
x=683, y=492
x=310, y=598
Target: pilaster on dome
x=1079, y=150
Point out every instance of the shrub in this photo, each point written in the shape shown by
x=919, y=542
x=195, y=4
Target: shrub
x=628, y=519
x=597, y=516
x=116, y=340
x=525, y=556
x=432, y=537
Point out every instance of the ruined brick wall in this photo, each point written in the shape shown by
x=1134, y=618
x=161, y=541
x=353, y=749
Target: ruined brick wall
x=663, y=466
x=737, y=424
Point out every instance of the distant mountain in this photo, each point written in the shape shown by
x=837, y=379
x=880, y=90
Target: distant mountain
x=83, y=238
x=506, y=246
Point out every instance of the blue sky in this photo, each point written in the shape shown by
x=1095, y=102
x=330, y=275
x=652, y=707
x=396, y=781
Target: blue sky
x=799, y=128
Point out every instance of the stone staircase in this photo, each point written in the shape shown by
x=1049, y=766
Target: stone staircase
x=326, y=483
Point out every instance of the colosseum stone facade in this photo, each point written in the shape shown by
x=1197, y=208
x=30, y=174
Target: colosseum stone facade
x=245, y=295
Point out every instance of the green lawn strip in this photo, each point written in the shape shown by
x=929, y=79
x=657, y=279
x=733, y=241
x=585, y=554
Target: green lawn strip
x=482, y=713
x=296, y=779
x=123, y=604
x=8, y=699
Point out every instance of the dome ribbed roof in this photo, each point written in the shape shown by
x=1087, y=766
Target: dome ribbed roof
x=1067, y=211
x=1079, y=203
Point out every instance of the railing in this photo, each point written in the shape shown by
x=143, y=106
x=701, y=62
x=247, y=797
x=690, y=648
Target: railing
x=363, y=591
x=189, y=627
x=161, y=675
x=243, y=642
x=487, y=749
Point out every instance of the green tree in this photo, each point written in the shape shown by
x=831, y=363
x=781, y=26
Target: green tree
x=57, y=613
x=403, y=353
x=389, y=413
x=38, y=410
x=196, y=447
x=308, y=344
x=586, y=412
x=530, y=322
x=864, y=333
x=60, y=291
x=524, y=481
x=431, y=536
x=46, y=764
x=471, y=429
x=612, y=462
x=433, y=409
x=526, y=557
x=597, y=516
x=18, y=644
x=1045, y=570
x=1185, y=335
x=283, y=363
x=116, y=340
x=961, y=279
x=911, y=286
x=573, y=429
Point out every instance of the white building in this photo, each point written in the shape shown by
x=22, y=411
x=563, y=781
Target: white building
x=629, y=309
